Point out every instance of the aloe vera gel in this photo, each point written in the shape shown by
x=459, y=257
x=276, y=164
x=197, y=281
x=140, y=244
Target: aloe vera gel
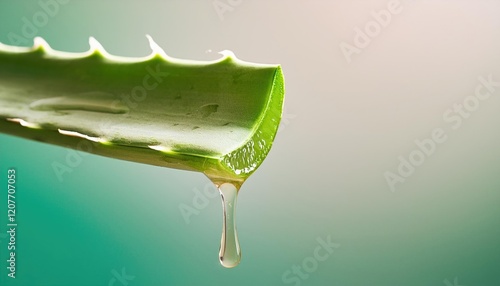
x=219, y=118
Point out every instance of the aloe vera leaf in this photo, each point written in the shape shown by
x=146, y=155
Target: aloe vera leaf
x=219, y=117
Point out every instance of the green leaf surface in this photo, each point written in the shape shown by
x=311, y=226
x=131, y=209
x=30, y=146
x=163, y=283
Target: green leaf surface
x=219, y=117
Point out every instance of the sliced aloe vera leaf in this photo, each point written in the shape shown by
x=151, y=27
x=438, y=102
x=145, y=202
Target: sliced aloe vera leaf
x=219, y=117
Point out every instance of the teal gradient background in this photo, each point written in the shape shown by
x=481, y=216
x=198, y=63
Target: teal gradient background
x=345, y=125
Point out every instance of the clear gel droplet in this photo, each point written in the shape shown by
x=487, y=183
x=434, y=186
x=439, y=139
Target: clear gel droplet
x=230, y=252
